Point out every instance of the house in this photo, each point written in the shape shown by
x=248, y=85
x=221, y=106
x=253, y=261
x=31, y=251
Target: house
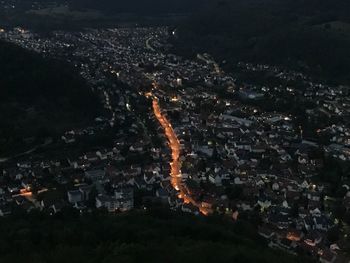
x=314, y=196
x=104, y=154
x=294, y=235
x=266, y=232
x=322, y=223
x=313, y=238
x=307, y=249
x=126, y=204
x=26, y=184
x=149, y=177
x=68, y=138
x=162, y=194
x=57, y=207
x=24, y=165
x=315, y=212
x=275, y=186
x=245, y=206
x=137, y=147
x=302, y=212
x=346, y=203
x=5, y=210
x=13, y=189
x=279, y=220
x=327, y=256
x=91, y=156
x=124, y=192
x=205, y=150
x=85, y=191
x=122, y=200
x=75, y=196
x=285, y=244
x=140, y=183
x=308, y=223
x=238, y=181
x=81, y=164
x=292, y=195
x=174, y=202
x=208, y=202
x=264, y=203
x=50, y=198
x=189, y=208
x=215, y=179
x=132, y=172
x=95, y=175
x=125, y=196
x=108, y=202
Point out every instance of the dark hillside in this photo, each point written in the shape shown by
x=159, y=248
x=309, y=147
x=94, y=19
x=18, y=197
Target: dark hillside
x=158, y=236
x=310, y=35
x=37, y=93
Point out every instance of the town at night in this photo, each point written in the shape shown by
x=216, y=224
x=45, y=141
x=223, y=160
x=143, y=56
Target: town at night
x=175, y=131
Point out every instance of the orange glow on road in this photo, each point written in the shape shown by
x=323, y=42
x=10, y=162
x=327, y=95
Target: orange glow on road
x=175, y=164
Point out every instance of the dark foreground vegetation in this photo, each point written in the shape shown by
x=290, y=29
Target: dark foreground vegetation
x=39, y=98
x=154, y=236
x=309, y=35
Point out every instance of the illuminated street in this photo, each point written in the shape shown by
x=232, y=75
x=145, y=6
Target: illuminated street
x=176, y=179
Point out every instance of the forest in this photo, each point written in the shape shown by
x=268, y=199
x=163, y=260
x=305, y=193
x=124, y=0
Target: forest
x=141, y=7
x=156, y=235
x=39, y=98
x=311, y=36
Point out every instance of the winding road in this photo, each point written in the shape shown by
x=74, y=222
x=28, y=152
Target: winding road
x=175, y=164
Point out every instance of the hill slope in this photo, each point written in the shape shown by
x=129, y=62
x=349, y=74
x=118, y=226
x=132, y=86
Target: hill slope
x=39, y=98
x=310, y=35
x=133, y=237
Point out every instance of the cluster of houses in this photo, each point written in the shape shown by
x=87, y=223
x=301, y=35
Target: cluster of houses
x=237, y=159
x=86, y=182
x=328, y=106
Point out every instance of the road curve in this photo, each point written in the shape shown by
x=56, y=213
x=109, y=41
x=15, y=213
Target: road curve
x=175, y=164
